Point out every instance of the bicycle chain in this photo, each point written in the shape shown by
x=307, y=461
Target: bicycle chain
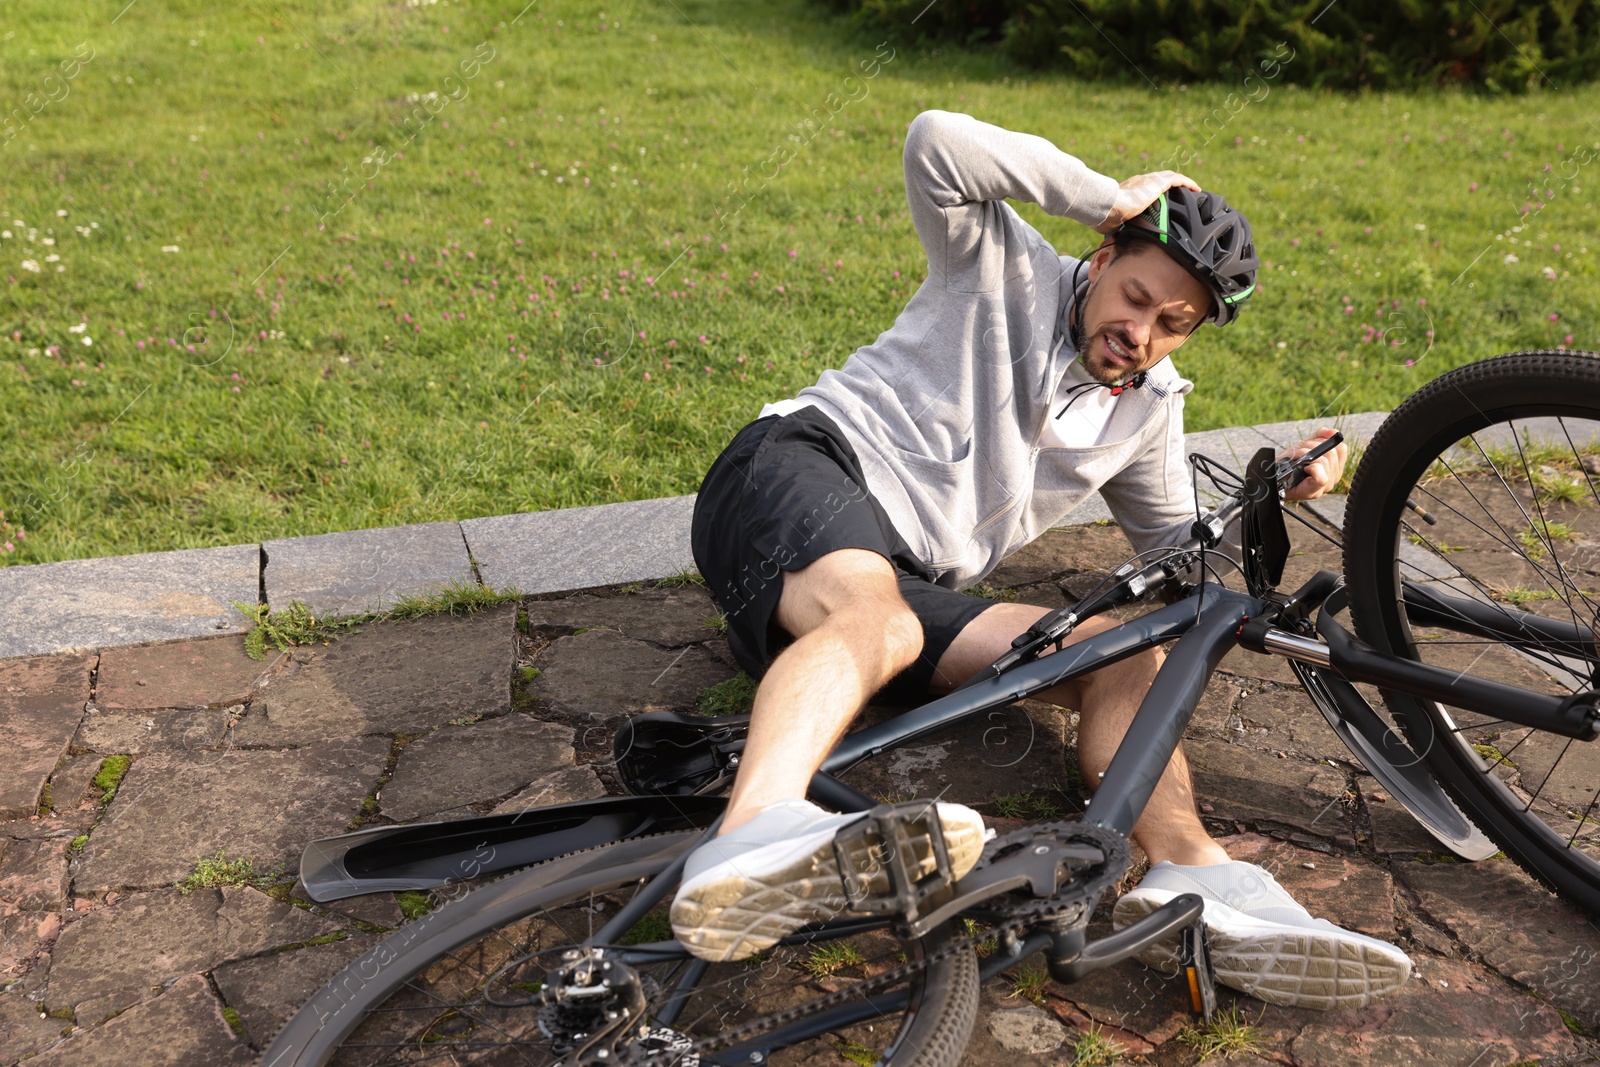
x=1022, y=914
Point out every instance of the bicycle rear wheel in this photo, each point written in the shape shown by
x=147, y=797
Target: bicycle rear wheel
x=461, y=985
x=1485, y=485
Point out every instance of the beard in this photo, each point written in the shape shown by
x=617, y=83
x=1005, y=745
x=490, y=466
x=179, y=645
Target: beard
x=1102, y=366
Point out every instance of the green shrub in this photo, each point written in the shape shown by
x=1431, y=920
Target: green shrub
x=1500, y=45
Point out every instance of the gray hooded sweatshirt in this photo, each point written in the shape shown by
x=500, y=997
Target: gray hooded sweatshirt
x=946, y=409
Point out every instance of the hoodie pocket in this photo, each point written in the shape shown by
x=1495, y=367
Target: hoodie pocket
x=944, y=498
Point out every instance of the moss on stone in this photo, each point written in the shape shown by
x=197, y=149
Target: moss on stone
x=110, y=775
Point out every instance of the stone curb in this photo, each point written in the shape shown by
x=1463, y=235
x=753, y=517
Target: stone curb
x=85, y=604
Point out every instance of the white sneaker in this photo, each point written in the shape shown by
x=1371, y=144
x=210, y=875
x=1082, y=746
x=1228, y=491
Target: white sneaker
x=1265, y=944
x=753, y=886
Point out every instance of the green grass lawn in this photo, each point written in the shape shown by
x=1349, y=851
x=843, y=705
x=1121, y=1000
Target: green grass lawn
x=573, y=273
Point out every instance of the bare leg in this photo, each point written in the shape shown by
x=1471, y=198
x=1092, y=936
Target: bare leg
x=1170, y=828
x=853, y=633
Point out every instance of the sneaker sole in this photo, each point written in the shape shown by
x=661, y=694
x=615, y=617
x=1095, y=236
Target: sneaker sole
x=732, y=915
x=1277, y=964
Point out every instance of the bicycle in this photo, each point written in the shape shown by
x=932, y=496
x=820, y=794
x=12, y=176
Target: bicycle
x=570, y=960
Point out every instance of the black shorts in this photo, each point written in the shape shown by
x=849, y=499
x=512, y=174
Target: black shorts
x=787, y=491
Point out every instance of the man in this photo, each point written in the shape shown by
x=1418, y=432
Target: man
x=837, y=530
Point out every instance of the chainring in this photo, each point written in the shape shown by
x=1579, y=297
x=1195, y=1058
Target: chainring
x=1016, y=911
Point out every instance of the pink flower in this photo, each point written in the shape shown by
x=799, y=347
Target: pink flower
x=1472, y=188
x=708, y=370
x=1569, y=339
x=1554, y=316
x=702, y=338
x=647, y=376
x=793, y=253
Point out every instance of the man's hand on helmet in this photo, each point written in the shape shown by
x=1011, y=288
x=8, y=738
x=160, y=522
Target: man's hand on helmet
x=1139, y=192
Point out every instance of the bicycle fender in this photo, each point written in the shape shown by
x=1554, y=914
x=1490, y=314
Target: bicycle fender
x=433, y=854
x=1387, y=757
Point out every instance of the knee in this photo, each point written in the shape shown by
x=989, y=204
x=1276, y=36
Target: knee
x=902, y=639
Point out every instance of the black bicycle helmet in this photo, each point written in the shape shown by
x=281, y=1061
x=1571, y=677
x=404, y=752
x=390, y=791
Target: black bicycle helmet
x=1209, y=239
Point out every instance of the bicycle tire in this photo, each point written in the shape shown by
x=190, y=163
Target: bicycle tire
x=933, y=1030
x=1487, y=433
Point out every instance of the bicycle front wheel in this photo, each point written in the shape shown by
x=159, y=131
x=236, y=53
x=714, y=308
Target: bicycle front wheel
x=462, y=985
x=1484, y=487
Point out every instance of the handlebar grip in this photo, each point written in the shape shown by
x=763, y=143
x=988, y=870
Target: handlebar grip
x=1293, y=471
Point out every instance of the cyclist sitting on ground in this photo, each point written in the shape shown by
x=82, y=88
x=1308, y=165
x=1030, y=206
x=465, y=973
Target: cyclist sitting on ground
x=838, y=528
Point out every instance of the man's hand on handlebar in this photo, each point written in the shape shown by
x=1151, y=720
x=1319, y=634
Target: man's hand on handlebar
x=1322, y=473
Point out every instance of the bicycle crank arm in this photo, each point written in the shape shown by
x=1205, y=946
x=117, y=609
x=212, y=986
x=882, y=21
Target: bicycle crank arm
x=1070, y=959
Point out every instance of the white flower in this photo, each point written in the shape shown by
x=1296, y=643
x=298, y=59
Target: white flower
x=61, y=213
x=48, y=241
x=169, y=248
x=6, y=234
x=52, y=258
x=29, y=264
x=79, y=328
x=1422, y=226
x=1549, y=273
x=1511, y=257
x=88, y=340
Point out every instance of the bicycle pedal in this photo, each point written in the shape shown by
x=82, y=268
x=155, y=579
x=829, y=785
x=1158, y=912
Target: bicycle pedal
x=1195, y=955
x=894, y=861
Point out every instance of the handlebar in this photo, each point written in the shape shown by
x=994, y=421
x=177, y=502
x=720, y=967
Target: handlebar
x=1135, y=581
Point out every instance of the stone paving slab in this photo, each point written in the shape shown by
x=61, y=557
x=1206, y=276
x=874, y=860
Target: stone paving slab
x=138, y=732
x=360, y=685
x=1357, y=428
x=1551, y=947
x=212, y=672
x=459, y=766
x=268, y=990
x=174, y=808
x=576, y=548
x=600, y=674
x=1251, y=788
x=566, y=786
x=22, y=1031
x=183, y=1027
x=41, y=702
x=126, y=600
x=671, y=618
x=121, y=954
x=361, y=571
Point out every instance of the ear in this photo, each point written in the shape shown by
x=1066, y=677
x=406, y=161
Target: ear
x=1101, y=258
